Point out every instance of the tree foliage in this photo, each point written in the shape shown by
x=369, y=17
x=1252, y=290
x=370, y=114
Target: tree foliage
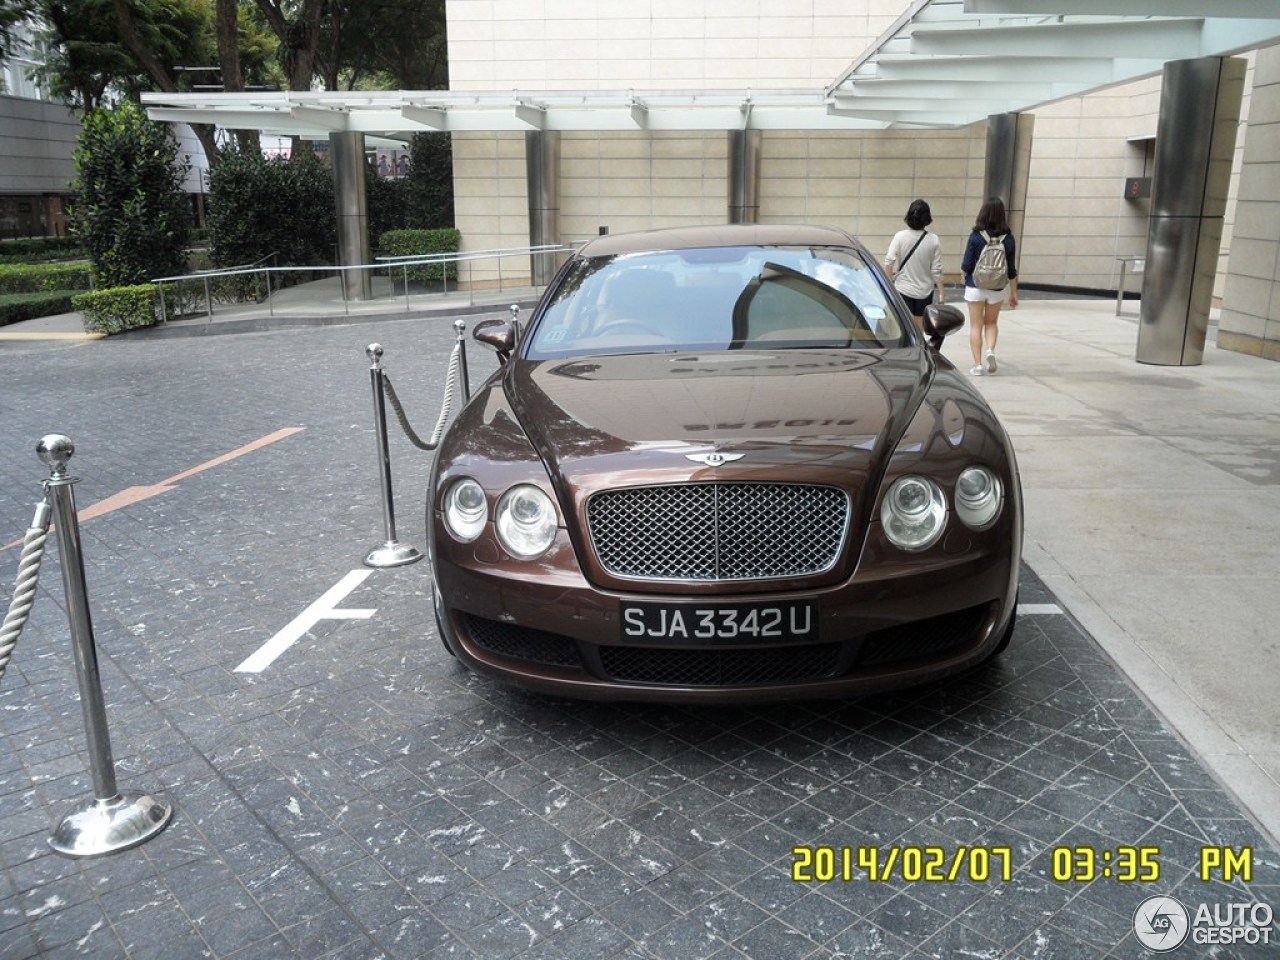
x=430, y=180
x=380, y=44
x=103, y=50
x=131, y=213
x=12, y=13
x=259, y=206
x=423, y=200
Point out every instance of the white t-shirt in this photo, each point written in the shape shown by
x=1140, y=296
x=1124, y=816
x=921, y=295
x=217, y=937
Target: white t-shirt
x=923, y=271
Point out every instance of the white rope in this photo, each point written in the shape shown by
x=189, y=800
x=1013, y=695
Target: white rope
x=24, y=591
x=446, y=406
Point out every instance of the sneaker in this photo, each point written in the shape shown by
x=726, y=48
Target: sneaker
x=990, y=361
x=976, y=371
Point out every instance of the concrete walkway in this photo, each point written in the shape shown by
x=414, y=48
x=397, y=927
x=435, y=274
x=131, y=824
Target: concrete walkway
x=1153, y=502
x=1153, y=512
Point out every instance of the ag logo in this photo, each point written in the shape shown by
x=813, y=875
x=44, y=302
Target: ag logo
x=1161, y=924
x=714, y=459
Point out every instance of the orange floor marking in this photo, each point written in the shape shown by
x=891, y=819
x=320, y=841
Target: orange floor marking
x=132, y=495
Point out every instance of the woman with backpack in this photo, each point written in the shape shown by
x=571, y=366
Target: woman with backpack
x=914, y=261
x=989, y=276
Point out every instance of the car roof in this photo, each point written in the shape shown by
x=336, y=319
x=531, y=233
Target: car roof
x=718, y=235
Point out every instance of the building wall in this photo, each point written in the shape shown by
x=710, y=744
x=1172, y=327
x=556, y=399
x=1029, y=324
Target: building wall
x=864, y=181
x=658, y=44
x=1077, y=220
x=1250, y=321
x=859, y=181
x=36, y=143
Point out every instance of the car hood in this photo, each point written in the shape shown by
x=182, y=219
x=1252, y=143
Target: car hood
x=806, y=416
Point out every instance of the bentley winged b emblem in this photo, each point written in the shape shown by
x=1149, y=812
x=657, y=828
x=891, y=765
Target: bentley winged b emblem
x=714, y=459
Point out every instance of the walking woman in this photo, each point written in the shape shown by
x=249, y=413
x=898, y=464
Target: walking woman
x=914, y=261
x=989, y=278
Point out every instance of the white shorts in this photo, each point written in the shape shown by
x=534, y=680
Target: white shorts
x=978, y=295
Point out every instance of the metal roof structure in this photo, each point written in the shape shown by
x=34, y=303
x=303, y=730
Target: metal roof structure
x=942, y=64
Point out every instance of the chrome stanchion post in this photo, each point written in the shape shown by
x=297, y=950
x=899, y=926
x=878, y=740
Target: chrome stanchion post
x=460, y=328
x=112, y=821
x=392, y=553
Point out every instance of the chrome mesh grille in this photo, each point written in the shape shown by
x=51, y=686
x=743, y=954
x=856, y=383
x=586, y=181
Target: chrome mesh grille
x=721, y=668
x=718, y=531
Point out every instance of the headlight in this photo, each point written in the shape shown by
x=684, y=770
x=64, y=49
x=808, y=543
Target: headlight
x=465, y=509
x=978, y=498
x=526, y=521
x=914, y=513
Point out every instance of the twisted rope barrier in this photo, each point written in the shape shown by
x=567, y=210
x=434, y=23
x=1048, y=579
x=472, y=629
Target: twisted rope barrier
x=24, y=591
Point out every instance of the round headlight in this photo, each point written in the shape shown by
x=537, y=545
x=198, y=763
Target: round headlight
x=526, y=521
x=978, y=498
x=914, y=513
x=465, y=509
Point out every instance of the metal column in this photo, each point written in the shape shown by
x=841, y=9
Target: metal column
x=1008, y=161
x=542, y=170
x=744, y=176
x=347, y=151
x=1195, y=140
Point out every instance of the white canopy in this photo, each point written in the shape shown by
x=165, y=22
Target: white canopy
x=943, y=63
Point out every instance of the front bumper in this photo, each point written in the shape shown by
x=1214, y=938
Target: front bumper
x=897, y=628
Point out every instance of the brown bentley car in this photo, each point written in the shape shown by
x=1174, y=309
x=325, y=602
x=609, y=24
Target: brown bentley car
x=722, y=463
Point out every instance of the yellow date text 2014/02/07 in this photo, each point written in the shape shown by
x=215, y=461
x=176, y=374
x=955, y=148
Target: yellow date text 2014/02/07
x=1067, y=864
x=912, y=864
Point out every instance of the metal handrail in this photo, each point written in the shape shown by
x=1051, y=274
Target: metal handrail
x=473, y=254
x=381, y=263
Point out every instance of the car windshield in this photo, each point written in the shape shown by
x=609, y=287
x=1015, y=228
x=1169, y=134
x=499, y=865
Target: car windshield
x=721, y=298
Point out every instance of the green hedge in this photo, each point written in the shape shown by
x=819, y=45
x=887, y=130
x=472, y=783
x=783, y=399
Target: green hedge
x=119, y=308
x=40, y=248
x=43, y=277
x=403, y=243
x=15, y=307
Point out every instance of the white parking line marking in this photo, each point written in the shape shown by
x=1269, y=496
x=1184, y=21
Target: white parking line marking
x=1034, y=608
x=323, y=609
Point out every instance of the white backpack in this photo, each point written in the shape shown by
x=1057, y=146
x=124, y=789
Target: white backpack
x=992, y=269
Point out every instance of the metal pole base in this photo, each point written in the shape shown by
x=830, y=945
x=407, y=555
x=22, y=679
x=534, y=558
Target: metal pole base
x=105, y=826
x=393, y=554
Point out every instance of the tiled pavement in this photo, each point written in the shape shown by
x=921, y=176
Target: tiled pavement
x=364, y=797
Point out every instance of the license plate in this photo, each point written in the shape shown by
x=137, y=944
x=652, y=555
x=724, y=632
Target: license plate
x=720, y=622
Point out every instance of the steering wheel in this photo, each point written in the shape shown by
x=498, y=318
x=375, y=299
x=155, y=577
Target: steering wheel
x=628, y=324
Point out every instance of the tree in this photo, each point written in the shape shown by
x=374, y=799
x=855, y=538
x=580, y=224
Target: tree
x=296, y=24
x=12, y=13
x=430, y=181
x=106, y=49
x=131, y=212
x=260, y=206
x=384, y=43
x=244, y=52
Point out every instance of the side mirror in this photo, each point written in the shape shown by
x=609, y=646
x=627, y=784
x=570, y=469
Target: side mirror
x=941, y=319
x=499, y=334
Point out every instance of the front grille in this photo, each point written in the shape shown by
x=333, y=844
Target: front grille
x=720, y=668
x=924, y=638
x=718, y=531
x=522, y=643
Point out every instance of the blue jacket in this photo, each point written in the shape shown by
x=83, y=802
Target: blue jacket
x=973, y=250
